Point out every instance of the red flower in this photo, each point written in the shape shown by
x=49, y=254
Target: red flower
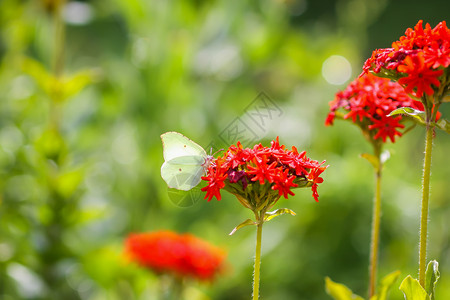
x=261, y=173
x=387, y=127
x=182, y=255
x=437, y=55
x=330, y=118
x=217, y=178
x=314, y=176
x=367, y=101
x=419, y=75
x=284, y=183
x=416, y=60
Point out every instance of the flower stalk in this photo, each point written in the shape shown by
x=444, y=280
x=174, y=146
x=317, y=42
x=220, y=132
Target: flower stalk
x=424, y=207
x=171, y=287
x=257, y=266
x=57, y=65
x=425, y=194
x=376, y=220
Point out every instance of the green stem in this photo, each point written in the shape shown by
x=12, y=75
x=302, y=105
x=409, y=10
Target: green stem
x=425, y=201
x=57, y=64
x=60, y=37
x=257, y=267
x=375, y=236
x=170, y=287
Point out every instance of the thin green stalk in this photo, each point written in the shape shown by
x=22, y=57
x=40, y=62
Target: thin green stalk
x=257, y=266
x=425, y=201
x=57, y=64
x=375, y=236
x=56, y=251
x=59, y=41
x=170, y=288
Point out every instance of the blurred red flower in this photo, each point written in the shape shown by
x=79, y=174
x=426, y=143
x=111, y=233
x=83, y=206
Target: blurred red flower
x=182, y=255
x=417, y=60
x=261, y=175
x=367, y=101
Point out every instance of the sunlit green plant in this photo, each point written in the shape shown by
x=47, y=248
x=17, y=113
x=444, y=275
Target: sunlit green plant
x=47, y=159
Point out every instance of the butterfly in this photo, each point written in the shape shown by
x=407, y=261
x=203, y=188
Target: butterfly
x=184, y=161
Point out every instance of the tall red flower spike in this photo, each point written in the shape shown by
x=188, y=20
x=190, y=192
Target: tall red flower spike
x=418, y=60
x=367, y=101
x=182, y=255
x=261, y=175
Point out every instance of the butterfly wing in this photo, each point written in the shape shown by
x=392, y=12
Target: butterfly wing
x=177, y=145
x=183, y=173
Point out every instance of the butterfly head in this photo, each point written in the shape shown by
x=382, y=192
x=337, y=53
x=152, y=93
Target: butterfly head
x=208, y=161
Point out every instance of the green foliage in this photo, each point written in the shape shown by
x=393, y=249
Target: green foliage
x=412, y=289
x=340, y=292
x=278, y=212
x=267, y=217
x=414, y=114
x=80, y=153
x=385, y=285
x=431, y=278
x=419, y=117
x=443, y=124
x=243, y=224
x=372, y=159
x=59, y=89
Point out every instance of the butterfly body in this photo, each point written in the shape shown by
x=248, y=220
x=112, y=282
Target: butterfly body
x=184, y=161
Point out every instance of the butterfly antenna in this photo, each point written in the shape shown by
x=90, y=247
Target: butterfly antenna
x=217, y=151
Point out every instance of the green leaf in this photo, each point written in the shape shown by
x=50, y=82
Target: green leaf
x=281, y=211
x=415, y=115
x=372, y=159
x=443, y=124
x=58, y=88
x=74, y=84
x=419, y=117
x=385, y=285
x=69, y=182
x=431, y=277
x=243, y=224
x=51, y=145
x=302, y=182
x=339, y=291
x=412, y=289
x=39, y=73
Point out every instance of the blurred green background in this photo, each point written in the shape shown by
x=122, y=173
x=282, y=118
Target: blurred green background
x=80, y=161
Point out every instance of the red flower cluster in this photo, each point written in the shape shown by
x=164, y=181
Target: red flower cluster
x=260, y=171
x=417, y=60
x=368, y=100
x=183, y=255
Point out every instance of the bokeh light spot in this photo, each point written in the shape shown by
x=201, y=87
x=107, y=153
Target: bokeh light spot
x=336, y=70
